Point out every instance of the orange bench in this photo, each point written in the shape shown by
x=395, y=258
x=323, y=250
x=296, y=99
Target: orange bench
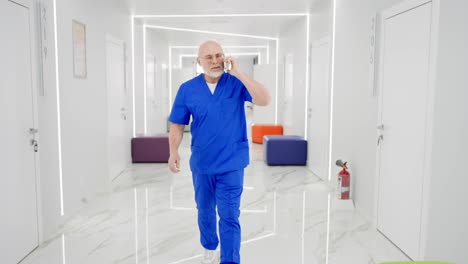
x=260, y=130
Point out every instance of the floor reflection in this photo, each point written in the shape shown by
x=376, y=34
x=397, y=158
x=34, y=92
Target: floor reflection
x=287, y=215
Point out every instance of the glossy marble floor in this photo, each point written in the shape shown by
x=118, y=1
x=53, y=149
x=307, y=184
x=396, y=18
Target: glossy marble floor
x=288, y=216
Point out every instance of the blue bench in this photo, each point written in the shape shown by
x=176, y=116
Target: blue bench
x=285, y=150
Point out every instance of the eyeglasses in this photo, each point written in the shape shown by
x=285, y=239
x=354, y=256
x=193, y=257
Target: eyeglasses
x=217, y=56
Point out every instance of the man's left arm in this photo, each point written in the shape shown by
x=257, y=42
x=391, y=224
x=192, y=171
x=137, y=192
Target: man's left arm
x=260, y=95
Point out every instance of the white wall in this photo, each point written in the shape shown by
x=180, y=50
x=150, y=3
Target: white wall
x=448, y=217
x=293, y=43
x=321, y=22
x=355, y=117
x=83, y=107
x=355, y=110
x=180, y=76
x=246, y=64
x=265, y=114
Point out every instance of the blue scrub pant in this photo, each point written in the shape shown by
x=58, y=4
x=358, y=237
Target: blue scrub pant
x=224, y=191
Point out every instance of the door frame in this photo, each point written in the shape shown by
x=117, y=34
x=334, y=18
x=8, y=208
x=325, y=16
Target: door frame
x=37, y=85
x=111, y=39
x=149, y=107
x=36, y=57
x=316, y=44
x=399, y=8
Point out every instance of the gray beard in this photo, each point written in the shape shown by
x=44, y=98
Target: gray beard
x=213, y=74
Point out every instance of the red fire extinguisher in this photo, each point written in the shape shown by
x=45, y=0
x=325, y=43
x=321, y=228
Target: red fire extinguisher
x=343, y=186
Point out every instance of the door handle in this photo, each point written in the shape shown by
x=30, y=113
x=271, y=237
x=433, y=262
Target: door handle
x=379, y=140
x=34, y=145
x=33, y=131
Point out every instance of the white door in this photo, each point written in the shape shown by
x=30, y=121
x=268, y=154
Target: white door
x=18, y=200
x=318, y=134
x=118, y=136
x=403, y=107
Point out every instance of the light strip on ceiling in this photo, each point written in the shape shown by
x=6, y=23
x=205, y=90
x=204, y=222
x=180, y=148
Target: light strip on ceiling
x=222, y=15
x=327, y=245
x=147, y=226
x=64, y=254
x=59, y=125
x=303, y=225
x=225, y=47
x=306, y=119
x=135, y=198
x=332, y=87
x=332, y=90
x=133, y=76
x=145, y=83
x=276, y=81
x=268, y=54
x=170, y=78
x=211, y=32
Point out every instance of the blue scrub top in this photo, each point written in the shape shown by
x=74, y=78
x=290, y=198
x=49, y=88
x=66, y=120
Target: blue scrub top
x=219, y=134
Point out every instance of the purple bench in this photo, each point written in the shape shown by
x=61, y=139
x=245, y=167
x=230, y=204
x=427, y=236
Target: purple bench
x=285, y=150
x=150, y=148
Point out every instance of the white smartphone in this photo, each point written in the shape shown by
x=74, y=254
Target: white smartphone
x=227, y=66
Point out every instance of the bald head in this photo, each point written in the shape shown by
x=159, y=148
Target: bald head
x=209, y=47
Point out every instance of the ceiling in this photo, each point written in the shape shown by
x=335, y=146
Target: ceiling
x=259, y=26
x=160, y=7
x=178, y=38
x=267, y=26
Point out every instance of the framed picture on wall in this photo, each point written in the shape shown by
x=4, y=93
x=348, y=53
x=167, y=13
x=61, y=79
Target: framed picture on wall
x=79, y=49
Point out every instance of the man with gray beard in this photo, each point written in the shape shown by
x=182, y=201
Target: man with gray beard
x=220, y=151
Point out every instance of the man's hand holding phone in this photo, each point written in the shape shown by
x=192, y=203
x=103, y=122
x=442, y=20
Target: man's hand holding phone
x=231, y=66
